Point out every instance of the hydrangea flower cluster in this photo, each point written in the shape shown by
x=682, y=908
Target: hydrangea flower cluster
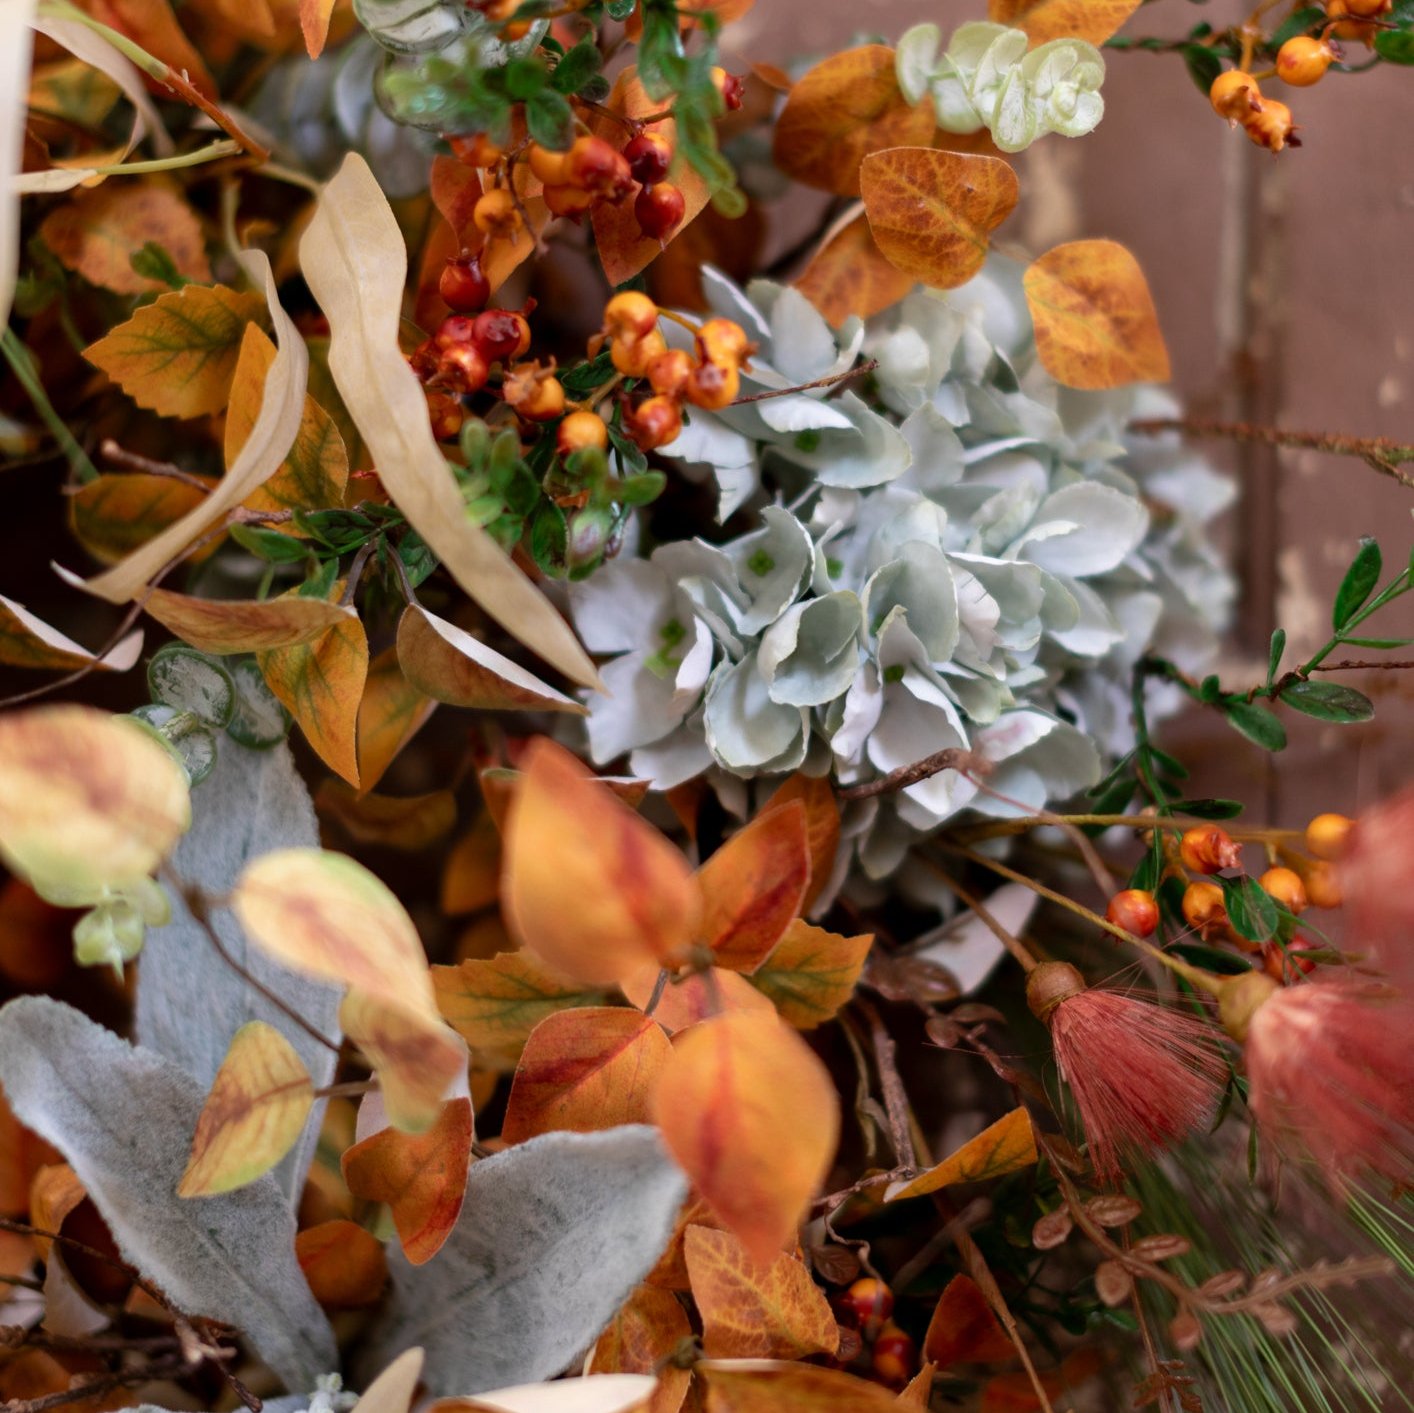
x=960, y=553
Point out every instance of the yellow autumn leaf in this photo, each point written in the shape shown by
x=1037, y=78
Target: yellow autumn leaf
x=1044, y=20
x=257, y=1108
x=177, y=355
x=495, y=1003
x=28, y=641
x=849, y=274
x=1004, y=1147
x=114, y=515
x=1096, y=325
x=811, y=973
x=224, y=626
x=391, y=713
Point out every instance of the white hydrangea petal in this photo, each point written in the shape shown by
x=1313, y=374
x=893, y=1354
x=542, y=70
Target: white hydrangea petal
x=637, y=707
x=745, y=729
x=1105, y=525
x=871, y=453
x=811, y=655
x=920, y=582
x=621, y=606
x=802, y=343
x=915, y=58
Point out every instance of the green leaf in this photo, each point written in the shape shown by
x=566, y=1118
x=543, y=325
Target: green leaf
x=1260, y=726
x=1397, y=46
x=643, y=488
x=1208, y=808
x=1380, y=643
x=525, y=78
x=547, y=538
x=1171, y=764
x=1329, y=701
x=1358, y=584
x=1146, y=873
x=585, y=377
x=577, y=67
x=1211, y=959
x=1250, y=909
x=1274, y=654
x=550, y=120
x=1203, y=65
x=1299, y=22
x=153, y=262
x=270, y=545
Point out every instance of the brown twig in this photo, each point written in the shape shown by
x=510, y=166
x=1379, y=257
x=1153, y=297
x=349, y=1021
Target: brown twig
x=86, y=1387
x=831, y=381
x=953, y=758
x=891, y=1084
x=1014, y=945
x=1350, y=665
x=119, y=456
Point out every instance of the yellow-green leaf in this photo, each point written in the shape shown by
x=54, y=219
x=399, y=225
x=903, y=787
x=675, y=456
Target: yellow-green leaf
x=1007, y=1145
x=224, y=626
x=494, y=1004
x=1044, y=20
x=391, y=713
x=812, y=973
x=115, y=515
x=28, y=641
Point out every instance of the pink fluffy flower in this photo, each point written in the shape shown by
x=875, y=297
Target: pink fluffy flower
x=1331, y=1071
x=1376, y=872
x=1143, y=1075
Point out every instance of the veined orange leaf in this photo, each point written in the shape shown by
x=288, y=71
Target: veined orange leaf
x=417, y=1059
x=812, y=973
x=178, y=354
x=28, y=641
x=765, y=1386
x=391, y=713
x=588, y=886
x=964, y=1329
x=918, y=1393
x=851, y=275
x=314, y=16
x=1044, y=20
x=648, y=1328
x=585, y=1070
x=1001, y=1148
x=1096, y=326
x=422, y=1177
x=822, y=826
x=932, y=212
x=1015, y=1393
x=53, y=1196
x=407, y=822
x=114, y=515
x=257, y=1108
x=343, y=1262
x=224, y=626
x=698, y=997
x=471, y=876
x=846, y=107
x=495, y=1004
x=751, y=1311
x=752, y=1116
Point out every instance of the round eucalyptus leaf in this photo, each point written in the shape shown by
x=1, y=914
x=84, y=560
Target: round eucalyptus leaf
x=259, y=720
x=181, y=677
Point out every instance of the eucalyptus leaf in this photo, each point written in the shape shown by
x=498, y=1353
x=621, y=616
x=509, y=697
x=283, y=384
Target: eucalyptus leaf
x=1250, y=908
x=123, y=1117
x=1329, y=701
x=1259, y=725
x=553, y=1235
x=1358, y=584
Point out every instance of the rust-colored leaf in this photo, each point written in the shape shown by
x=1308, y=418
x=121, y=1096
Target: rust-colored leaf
x=153, y=25
x=495, y=1004
x=257, y=1108
x=54, y=1194
x=321, y=685
x=932, y=212
x=846, y=107
x=765, y=1387
x=623, y=248
x=1044, y=20
x=1001, y=1148
x=416, y=1059
x=114, y=515
x=812, y=973
x=919, y=1391
x=585, y=1070
x=752, y=1116
x=754, y=1311
x=28, y=641
x=964, y=1330
x=178, y=354
x=223, y=626
x=407, y=822
x=1096, y=325
x=96, y=231
x=753, y=887
x=315, y=471
x=344, y=1264
x=314, y=16
x=1015, y=1393
x=471, y=876
x=648, y=1328
x=422, y=1177
x=688, y=999
x=391, y=713
x=851, y=275
x=589, y=886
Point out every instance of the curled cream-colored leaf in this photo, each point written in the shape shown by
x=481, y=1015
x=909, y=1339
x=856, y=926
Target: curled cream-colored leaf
x=599, y=1393
x=15, y=44
x=355, y=262
x=28, y=641
x=392, y=1390
x=281, y=410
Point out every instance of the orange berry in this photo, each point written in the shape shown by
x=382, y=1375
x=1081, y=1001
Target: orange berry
x=594, y=165
x=713, y=386
x=1327, y=835
x=1302, y=61
x=632, y=356
x=867, y=1304
x=549, y=166
x=1369, y=9
x=1322, y=885
x=630, y=316
x=1208, y=849
x=895, y=1356
x=495, y=214
x=463, y=285
x=654, y=422
x=1285, y=885
x=725, y=342
x=1203, y=909
x=464, y=368
x=659, y=210
x=1337, y=11
x=669, y=372
x=476, y=150
x=570, y=201
x=1272, y=126
x=446, y=415
x=1234, y=94
x=534, y=392
x=1135, y=910
x=580, y=431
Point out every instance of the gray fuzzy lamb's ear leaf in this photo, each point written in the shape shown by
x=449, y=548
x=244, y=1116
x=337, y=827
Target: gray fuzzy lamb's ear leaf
x=553, y=1236
x=189, y=1001
x=124, y=1118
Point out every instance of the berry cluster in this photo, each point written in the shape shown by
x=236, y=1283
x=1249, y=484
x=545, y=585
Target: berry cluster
x=870, y=1341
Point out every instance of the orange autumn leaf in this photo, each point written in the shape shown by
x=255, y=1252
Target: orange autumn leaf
x=54, y=1195
x=96, y=231
x=964, y=1329
x=422, y=1177
x=671, y=1271
x=1001, y=1148
x=152, y=24
x=415, y=1058
x=639, y=1340
x=495, y=1003
x=812, y=973
x=405, y=822
x=455, y=188
x=842, y=110
x=822, y=825
x=1044, y=20
x=1015, y=1393
x=177, y=355
x=753, y=887
x=919, y=1391
x=754, y=1311
x=314, y=16
x=765, y=1387
x=471, y=875
x=257, y=1108
x=623, y=248
x=725, y=10
x=1096, y=325
x=391, y=713
x=688, y=999
x=851, y=275
x=36, y=949
x=315, y=470
x=752, y=1117
x=320, y=683
x=114, y=515
x=344, y=1264
x=28, y=641
x=588, y=886
x=932, y=212
x=585, y=1070
x=224, y=626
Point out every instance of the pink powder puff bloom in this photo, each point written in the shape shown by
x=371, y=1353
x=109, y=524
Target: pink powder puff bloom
x=1143, y=1075
x=1376, y=872
x=1331, y=1071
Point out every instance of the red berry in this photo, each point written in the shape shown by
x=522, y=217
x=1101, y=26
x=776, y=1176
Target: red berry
x=654, y=422
x=571, y=201
x=730, y=87
x=1134, y=910
x=464, y=368
x=464, y=286
x=476, y=150
x=648, y=157
x=455, y=331
x=594, y=165
x=866, y=1305
x=895, y=1356
x=500, y=334
x=659, y=210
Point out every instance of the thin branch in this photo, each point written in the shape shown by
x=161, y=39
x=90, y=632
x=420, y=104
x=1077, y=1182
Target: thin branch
x=1014, y=945
x=831, y=381
x=953, y=758
x=1349, y=665
x=119, y=456
x=891, y=1083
